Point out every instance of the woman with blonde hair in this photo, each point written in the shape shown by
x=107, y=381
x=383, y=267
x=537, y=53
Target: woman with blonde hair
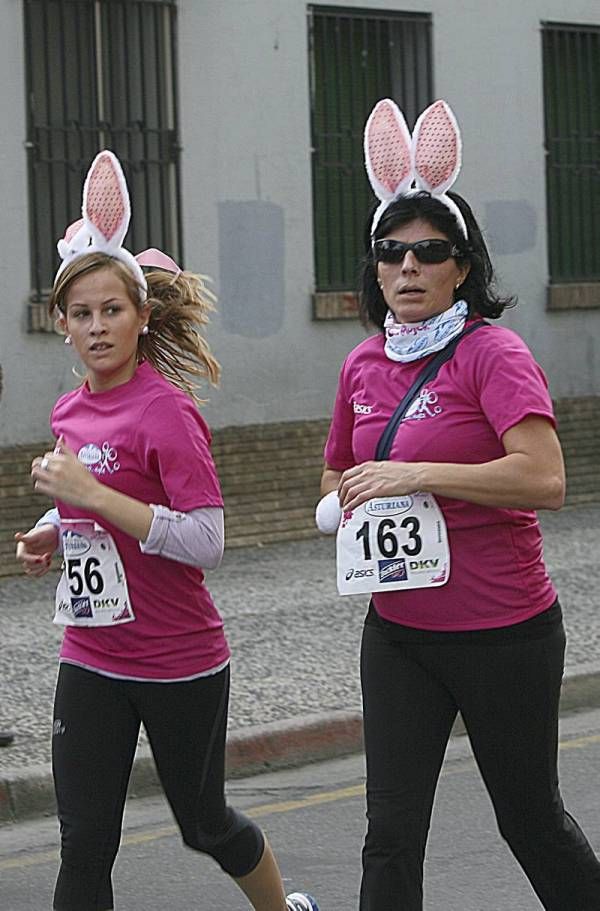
x=138, y=517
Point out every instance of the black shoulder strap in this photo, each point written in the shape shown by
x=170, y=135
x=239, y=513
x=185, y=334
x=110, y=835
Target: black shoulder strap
x=428, y=373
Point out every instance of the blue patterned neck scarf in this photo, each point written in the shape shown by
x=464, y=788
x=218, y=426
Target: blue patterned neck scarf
x=407, y=342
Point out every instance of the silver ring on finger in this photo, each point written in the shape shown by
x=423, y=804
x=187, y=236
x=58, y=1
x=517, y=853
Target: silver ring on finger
x=44, y=463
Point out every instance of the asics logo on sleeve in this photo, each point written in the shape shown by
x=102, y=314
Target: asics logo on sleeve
x=362, y=409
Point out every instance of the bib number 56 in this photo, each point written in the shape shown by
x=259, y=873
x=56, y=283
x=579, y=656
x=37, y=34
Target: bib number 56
x=387, y=541
x=84, y=576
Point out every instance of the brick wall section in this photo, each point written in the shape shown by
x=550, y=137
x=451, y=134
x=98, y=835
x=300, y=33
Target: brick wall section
x=579, y=431
x=19, y=506
x=270, y=477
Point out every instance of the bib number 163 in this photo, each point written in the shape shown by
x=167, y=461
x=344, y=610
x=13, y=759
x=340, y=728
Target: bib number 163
x=387, y=541
x=392, y=543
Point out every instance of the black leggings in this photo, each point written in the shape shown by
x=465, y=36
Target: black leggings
x=506, y=685
x=96, y=725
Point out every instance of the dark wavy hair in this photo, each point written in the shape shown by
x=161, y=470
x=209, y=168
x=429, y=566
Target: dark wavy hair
x=478, y=287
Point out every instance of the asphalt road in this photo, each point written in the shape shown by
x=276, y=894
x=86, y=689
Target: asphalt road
x=314, y=817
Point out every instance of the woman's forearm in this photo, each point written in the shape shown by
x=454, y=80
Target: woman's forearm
x=129, y=515
x=513, y=481
x=330, y=480
x=195, y=538
x=530, y=475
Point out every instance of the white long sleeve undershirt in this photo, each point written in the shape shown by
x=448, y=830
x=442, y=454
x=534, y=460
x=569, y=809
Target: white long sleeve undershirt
x=196, y=538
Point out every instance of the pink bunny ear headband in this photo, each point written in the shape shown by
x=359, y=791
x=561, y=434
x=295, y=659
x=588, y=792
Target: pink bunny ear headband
x=401, y=165
x=106, y=212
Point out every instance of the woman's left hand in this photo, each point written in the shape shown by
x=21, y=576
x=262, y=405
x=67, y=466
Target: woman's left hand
x=60, y=475
x=377, y=479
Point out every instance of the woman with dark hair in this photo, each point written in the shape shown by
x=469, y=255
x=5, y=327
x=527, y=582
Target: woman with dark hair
x=441, y=447
x=477, y=287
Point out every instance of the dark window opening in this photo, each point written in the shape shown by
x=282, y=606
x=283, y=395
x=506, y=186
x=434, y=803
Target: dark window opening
x=571, y=68
x=101, y=74
x=356, y=58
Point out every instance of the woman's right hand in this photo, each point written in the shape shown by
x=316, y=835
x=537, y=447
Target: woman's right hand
x=35, y=549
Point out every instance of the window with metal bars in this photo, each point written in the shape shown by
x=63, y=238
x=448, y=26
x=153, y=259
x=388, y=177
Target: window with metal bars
x=571, y=67
x=356, y=57
x=100, y=74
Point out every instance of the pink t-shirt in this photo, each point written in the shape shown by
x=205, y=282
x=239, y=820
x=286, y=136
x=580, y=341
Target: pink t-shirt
x=146, y=439
x=492, y=382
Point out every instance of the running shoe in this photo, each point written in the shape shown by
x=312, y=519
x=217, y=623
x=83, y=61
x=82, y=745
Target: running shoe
x=301, y=901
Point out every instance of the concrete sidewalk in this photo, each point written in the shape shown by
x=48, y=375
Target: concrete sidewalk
x=295, y=690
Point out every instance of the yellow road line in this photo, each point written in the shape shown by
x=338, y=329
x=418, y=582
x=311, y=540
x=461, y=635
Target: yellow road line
x=30, y=860
x=266, y=809
x=579, y=742
x=313, y=800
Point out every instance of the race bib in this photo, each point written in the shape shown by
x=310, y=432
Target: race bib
x=92, y=590
x=392, y=543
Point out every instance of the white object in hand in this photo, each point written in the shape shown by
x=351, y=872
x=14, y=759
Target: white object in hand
x=328, y=513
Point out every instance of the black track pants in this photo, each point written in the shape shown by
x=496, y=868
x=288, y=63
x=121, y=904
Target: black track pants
x=507, y=691
x=96, y=726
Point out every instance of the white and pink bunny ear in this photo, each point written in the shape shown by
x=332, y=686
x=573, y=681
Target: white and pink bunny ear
x=431, y=159
x=73, y=230
x=76, y=239
x=106, y=209
x=106, y=213
x=437, y=149
x=158, y=260
x=437, y=155
x=388, y=155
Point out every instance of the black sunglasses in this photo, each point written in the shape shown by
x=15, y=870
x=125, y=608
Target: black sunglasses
x=433, y=250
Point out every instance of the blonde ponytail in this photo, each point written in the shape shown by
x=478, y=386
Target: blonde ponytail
x=174, y=346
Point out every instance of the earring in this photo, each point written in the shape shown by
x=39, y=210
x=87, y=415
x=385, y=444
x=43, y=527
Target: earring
x=145, y=330
x=380, y=283
x=457, y=286
x=68, y=340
